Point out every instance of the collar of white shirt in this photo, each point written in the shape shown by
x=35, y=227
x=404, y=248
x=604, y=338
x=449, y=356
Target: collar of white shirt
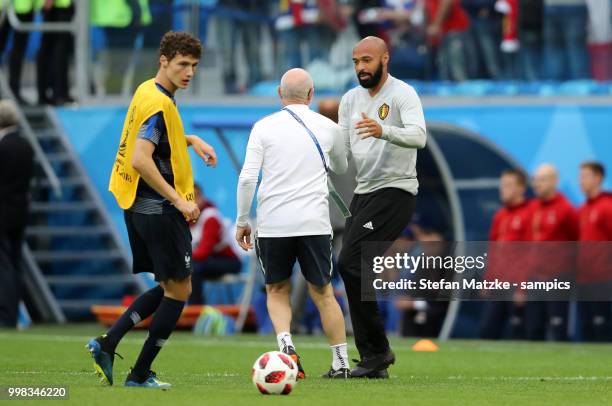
x=298, y=106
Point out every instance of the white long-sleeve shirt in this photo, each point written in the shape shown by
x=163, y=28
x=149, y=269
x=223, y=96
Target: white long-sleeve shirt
x=293, y=196
x=388, y=161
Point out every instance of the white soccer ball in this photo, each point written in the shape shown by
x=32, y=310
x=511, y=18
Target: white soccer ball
x=274, y=373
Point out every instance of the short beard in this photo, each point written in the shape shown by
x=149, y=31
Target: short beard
x=374, y=80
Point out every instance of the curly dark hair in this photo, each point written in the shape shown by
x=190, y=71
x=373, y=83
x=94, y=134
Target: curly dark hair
x=173, y=43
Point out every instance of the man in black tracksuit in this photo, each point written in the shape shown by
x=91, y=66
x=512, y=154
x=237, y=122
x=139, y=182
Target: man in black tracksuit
x=383, y=125
x=16, y=167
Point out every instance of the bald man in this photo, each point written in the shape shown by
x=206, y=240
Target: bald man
x=294, y=148
x=553, y=219
x=383, y=125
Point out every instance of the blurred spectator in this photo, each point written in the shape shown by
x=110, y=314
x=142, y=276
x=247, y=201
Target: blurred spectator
x=123, y=22
x=25, y=13
x=54, y=54
x=485, y=33
x=297, y=25
x=595, y=258
x=334, y=16
x=510, y=38
x=213, y=253
x=423, y=316
x=366, y=17
x=447, y=30
x=511, y=223
x=530, y=37
x=553, y=218
x=240, y=19
x=16, y=166
x=403, y=22
x=565, y=30
x=335, y=13
x=600, y=38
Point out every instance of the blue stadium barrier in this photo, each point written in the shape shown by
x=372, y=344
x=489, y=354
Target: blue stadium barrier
x=564, y=135
x=531, y=134
x=478, y=88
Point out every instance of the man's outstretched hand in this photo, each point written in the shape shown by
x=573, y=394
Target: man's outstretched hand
x=203, y=149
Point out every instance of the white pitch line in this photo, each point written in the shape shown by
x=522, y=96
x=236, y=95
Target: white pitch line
x=411, y=377
x=78, y=373
x=217, y=341
x=205, y=341
x=532, y=378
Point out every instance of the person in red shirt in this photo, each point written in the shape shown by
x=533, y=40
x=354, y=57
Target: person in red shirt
x=594, y=256
x=447, y=31
x=553, y=219
x=212, y=243
x=510, y=224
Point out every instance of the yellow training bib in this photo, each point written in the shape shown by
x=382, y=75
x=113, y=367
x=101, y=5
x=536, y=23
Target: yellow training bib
x=147, y=101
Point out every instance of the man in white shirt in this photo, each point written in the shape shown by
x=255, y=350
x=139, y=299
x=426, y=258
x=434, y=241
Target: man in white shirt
x=294, y=148
x=383, y=124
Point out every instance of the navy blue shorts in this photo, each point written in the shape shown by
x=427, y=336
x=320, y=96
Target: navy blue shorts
x=277, y=255
x=161, y=244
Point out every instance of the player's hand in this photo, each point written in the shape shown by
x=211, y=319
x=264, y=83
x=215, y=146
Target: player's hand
x=189, y=209
x=366, y=127
x=243, y=236
x=204, y=150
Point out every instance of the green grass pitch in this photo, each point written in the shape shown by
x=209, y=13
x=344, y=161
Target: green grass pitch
x=216, y=371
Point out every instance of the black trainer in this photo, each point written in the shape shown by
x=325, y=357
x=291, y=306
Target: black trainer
x=382, y=374
x=342, y=373
x=371, y=364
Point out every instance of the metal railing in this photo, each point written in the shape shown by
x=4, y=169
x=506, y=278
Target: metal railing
x=79, y=27
x=44, y=300
x=29, y=134
x=96, y=199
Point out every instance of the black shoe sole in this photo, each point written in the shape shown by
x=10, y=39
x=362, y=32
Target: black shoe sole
x=389, y=359
x=382, y=374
